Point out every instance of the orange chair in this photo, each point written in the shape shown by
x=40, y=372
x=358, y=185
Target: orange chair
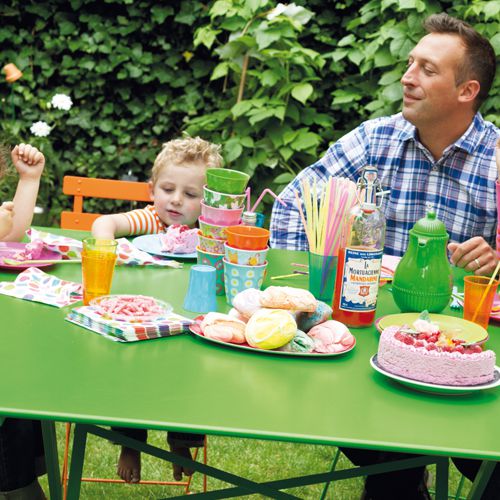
x=88, y=187
x=186, y=484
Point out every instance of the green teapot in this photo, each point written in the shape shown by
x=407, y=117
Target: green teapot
x=423, y=278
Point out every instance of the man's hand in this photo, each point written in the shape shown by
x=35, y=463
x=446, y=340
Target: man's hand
x=474, y=255
x=6, y=218
x=29, y=162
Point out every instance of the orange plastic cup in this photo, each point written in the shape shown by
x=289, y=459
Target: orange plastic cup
x=98, y=265
x=474, y=289
x=247, y=237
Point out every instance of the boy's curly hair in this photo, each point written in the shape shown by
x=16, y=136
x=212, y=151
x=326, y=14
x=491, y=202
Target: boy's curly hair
x=187, y=150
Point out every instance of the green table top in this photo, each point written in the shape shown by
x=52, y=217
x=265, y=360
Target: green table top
x=52, y=369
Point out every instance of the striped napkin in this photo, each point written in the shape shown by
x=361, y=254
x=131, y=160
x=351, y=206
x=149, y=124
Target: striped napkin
x=124, y=331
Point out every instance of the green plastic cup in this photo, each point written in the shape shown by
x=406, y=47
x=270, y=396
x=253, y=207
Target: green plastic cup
x=322, y=274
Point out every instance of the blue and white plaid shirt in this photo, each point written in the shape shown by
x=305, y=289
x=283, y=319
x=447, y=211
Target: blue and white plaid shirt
x=460, y=186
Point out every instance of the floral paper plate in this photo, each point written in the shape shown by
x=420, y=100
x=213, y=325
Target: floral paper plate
x=196, y=330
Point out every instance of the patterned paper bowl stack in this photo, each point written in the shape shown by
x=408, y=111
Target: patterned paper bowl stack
x=245, y=261
x=219, y=210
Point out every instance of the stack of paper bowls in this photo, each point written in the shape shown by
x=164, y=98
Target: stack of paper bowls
x=244, y=259
x=223, y=200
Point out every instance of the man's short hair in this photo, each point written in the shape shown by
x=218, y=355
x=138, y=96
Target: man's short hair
x=479, y=62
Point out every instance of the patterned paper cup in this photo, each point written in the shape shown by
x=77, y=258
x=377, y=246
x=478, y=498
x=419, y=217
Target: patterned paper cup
x=212, y=230
x=245, y=257
x=238, y=278
x=223, y=200
x=212, y=245
x=214, y=260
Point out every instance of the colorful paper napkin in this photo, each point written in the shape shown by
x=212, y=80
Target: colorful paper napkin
x=123, y=331
x=127, y=253
x=389, y=264
x=33, y=284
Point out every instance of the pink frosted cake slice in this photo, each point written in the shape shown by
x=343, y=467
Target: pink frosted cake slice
x=179, y=239
x=434, y=357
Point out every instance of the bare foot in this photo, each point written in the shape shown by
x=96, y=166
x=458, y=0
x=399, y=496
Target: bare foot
x=183, y=451
x=129, y=465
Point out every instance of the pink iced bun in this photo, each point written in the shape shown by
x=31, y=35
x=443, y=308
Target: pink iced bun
x=247, y=302
x=331, y=336
x=286, y=297
x=223, y=327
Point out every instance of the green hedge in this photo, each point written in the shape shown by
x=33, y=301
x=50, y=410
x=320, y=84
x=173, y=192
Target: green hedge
x=274, y=92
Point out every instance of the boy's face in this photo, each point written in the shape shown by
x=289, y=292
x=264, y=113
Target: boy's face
x=178, y=192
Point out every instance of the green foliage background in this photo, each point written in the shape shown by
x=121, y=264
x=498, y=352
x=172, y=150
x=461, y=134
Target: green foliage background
x=274, y=92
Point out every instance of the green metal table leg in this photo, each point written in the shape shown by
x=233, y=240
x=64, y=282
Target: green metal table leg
x=77, y=456
x=332, y=468
x=51, y=459
x=482, y=478
x=442, y=469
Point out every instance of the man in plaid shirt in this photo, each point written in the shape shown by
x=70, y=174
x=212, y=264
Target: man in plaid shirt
x=438, y=152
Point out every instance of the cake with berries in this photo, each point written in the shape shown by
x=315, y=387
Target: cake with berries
x=429, y=355
x=180, y=239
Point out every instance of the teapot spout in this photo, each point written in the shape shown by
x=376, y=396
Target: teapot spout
x=422, y=253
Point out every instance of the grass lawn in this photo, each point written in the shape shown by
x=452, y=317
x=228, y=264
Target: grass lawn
x=255, y=459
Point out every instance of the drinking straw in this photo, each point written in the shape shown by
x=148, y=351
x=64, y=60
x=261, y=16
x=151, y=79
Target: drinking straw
x=485, y=293
x=293, y=275
x=296, y=264
x=259, y=199
x=247, y=192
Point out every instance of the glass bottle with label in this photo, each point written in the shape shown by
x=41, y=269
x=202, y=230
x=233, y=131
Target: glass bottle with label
x=360, y=257
x=249, y=219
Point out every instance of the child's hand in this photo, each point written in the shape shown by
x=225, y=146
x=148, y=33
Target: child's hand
x=6, y=218
x=29, y=162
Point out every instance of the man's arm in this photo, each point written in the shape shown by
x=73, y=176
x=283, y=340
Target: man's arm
x=474, y=255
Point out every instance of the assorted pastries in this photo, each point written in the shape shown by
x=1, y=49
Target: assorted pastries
x=279, y=318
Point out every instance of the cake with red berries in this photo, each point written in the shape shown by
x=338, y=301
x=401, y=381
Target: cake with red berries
x=429, y=355
x=179, y=239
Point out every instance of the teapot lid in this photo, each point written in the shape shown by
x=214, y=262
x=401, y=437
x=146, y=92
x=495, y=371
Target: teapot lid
x=430, y=226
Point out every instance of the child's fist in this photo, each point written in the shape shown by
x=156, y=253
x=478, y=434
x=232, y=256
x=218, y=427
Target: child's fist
x=29, y=162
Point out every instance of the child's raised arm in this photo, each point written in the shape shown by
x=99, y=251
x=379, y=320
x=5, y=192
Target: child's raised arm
x=29, y=163
x=110, y=226
x=6, y=215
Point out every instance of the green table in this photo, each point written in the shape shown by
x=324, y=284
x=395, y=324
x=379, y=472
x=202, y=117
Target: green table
x=62, y=372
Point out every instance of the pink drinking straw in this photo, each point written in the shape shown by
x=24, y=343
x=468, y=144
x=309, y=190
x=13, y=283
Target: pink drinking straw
x=247, y=192
x=259, y=199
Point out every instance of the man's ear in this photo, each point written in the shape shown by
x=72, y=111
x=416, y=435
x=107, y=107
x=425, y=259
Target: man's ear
x=150, y=187
x=469, y=91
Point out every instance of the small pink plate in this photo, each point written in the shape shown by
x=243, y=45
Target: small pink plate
x=196, y=330
x=8, y=249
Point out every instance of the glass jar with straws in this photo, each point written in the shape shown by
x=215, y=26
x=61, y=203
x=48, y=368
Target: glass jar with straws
x=360, y=256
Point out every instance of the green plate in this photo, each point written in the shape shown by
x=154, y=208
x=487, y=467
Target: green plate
x=460, y=328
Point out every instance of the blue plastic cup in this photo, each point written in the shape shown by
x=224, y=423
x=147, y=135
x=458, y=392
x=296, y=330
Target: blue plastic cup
x=200, y=296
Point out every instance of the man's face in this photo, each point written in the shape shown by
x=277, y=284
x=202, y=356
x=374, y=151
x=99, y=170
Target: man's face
x=429, y=91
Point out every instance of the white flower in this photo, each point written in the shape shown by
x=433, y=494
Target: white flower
x=292, y=11
x=62, y=101
x=279, y=9
x=40, y=129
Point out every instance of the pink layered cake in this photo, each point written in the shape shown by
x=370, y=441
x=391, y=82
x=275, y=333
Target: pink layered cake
x=179, y=239
x=434, y=357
